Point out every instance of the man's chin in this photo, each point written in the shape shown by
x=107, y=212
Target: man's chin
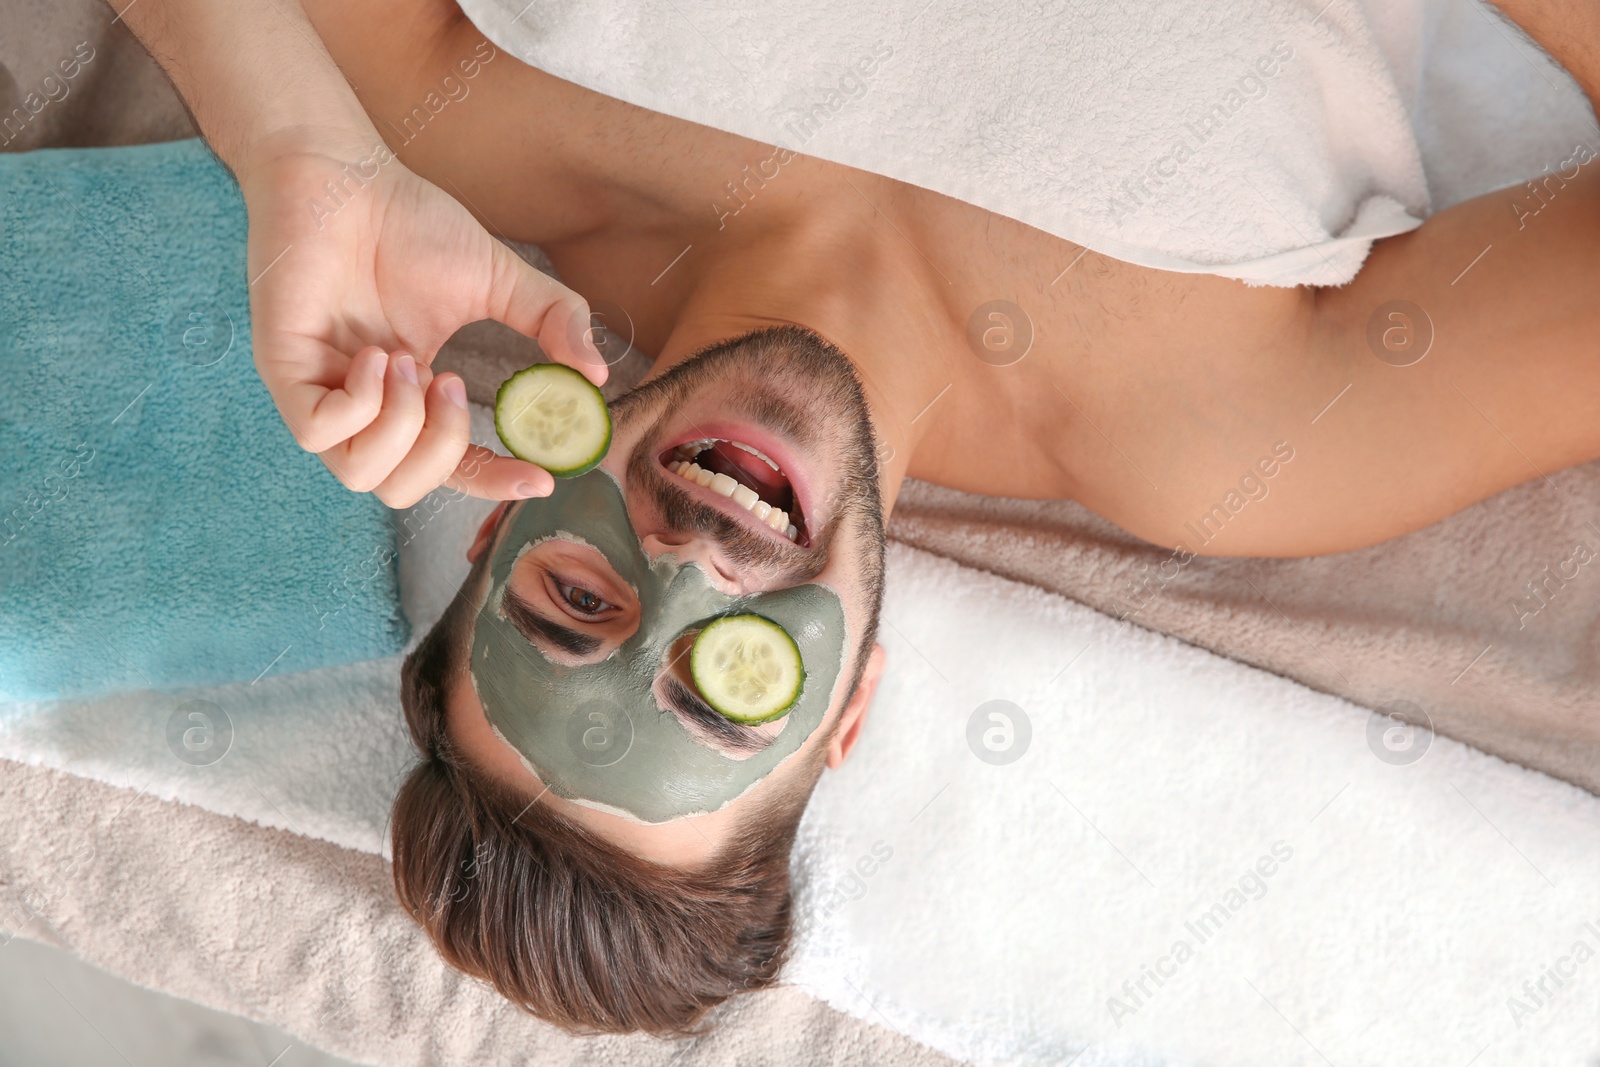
x=802, y=401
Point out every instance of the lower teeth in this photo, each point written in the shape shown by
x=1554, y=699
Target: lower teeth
x=773, y=517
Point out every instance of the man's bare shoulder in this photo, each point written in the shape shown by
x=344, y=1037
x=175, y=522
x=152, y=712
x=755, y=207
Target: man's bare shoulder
x=1197, y=412
x=1462, y=360
x=1143, y=394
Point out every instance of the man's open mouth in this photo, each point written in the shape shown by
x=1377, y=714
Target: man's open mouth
x=746, y=476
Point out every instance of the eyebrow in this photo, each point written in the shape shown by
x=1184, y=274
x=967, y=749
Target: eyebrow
x=741, y=739
x=535, y=626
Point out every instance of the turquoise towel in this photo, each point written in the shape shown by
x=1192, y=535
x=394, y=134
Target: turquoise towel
x=158, y=525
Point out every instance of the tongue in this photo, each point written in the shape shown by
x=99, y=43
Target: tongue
x=747, y=470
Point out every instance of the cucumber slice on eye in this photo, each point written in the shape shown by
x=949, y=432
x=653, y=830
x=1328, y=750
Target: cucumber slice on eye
x=747, y=668
x=551, y=415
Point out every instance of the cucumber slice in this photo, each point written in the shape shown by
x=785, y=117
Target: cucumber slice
x=747, y=668
x=551, y=415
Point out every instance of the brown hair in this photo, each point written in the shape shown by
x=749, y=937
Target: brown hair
x=567, y=925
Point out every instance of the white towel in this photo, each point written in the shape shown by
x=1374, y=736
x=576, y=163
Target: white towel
x=1270, y=141
x=1016, y=899
x=994, y=910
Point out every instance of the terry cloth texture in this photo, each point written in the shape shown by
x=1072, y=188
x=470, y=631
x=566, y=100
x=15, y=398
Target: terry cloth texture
x=160, y=526
x=1266, y=140
x=1044, y=802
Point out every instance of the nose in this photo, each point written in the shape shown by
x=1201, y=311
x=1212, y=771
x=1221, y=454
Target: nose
x=690, y=549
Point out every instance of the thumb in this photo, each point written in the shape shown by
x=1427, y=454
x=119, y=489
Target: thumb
x=536, y=305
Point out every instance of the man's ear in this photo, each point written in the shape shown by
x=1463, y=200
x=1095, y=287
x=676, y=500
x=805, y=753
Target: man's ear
x=855, y=712
x=480, y=544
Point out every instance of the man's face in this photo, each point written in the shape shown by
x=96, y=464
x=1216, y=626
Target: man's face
x=786, y=432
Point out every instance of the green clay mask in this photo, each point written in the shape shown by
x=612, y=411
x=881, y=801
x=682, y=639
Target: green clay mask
x=596, y=733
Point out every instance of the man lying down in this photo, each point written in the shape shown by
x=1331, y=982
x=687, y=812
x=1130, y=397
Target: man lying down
x=588, y=829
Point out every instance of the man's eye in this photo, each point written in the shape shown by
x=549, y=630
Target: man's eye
x=581, y=600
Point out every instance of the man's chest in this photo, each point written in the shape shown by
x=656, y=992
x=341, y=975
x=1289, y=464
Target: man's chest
x=1069, y=374
x=1060, y=372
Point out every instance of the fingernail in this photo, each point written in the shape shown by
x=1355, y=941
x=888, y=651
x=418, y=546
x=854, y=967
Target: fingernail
x=527, y=489
x=407, y=367
x=456, y=391
x=380, y=365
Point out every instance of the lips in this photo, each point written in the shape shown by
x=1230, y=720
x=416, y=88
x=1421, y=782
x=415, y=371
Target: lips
x=746, y=476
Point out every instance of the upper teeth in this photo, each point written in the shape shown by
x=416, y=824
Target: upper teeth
x=690, y=449
x=742, y=495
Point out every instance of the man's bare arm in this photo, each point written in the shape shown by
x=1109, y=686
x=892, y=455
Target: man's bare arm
x=253, y=73
x=1503, y=292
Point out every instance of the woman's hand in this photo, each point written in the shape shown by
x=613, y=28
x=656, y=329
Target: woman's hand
x=359, y=271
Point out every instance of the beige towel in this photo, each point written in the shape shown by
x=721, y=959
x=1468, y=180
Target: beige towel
x=309, y=937
x=116, y=96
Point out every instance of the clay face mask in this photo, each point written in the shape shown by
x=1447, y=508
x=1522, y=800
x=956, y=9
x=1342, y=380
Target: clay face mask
x=596, y=734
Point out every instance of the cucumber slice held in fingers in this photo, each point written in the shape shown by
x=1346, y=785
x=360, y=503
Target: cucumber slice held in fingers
x=747, y=668
x=551, y=415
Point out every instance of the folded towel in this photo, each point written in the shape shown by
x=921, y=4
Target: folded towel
x=159, y=526
x=1266, y=141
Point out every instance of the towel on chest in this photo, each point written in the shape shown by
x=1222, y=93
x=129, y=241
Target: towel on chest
x=1270, y=141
